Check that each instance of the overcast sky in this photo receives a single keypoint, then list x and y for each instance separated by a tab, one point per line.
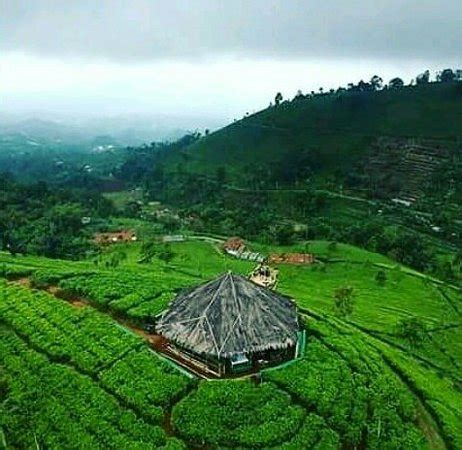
210	58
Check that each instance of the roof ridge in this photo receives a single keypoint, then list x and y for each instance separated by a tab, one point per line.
215	294
238	304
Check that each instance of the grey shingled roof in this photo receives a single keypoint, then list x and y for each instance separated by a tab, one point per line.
230	315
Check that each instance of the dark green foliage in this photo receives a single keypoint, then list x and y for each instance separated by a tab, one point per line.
115	258
94	345
82	337
403	246
413	330
136	295
313	434
446	76
146	382
305	170
42	278
335	128
350	393
340	402
44	220
144	164
381	278
282	234
423	78
344	300
396	83
278	99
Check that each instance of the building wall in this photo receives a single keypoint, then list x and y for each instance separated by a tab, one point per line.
272	356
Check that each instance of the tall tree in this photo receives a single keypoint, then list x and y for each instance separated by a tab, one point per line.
344	300
396	83
423	78
376	82
299	95
446	76
278	99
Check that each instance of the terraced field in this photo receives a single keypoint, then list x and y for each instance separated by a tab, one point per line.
74	373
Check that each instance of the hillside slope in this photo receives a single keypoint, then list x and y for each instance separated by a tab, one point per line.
328	133
378	169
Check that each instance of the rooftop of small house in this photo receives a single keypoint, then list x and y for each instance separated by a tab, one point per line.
114	237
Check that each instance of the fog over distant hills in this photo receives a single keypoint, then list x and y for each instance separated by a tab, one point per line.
121	129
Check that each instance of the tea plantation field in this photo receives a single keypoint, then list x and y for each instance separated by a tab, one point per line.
75	376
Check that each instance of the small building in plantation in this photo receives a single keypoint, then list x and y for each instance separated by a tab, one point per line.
292	258
232	325
234	246
265	276
115	237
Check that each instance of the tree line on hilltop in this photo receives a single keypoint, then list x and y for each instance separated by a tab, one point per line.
376	83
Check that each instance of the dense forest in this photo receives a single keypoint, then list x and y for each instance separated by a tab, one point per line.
48	220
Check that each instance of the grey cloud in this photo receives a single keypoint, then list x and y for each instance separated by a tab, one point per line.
147	30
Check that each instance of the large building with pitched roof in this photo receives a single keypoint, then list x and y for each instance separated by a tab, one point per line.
232	325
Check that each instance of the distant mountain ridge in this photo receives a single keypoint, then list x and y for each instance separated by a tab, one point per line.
118	131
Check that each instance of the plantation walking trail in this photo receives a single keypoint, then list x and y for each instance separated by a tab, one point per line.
161	345
23	282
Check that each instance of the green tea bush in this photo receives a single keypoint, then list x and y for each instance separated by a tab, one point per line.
94	344
148	310
313	434
237	413
44	277
139	296
146	382
12	271
323	382
363	403
49	405
83	337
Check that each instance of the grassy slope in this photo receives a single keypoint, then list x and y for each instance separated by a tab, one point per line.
341	128
377	308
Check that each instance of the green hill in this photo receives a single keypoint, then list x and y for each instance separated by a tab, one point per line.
330	133
342	166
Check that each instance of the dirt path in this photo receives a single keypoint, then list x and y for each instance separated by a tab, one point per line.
74	300
429	428
25	282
